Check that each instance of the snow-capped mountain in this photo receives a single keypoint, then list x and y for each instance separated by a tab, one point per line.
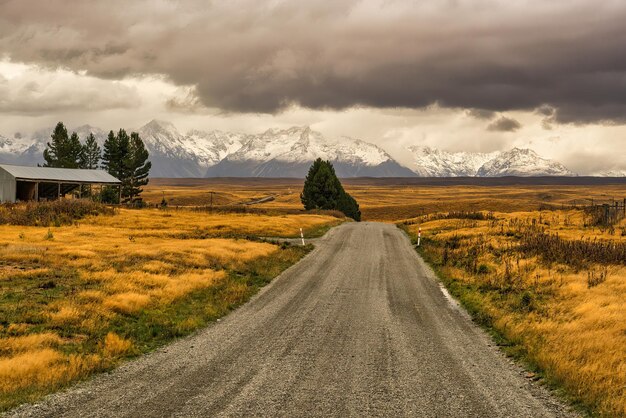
613	173
21	151
523	163
176	155
28	151
429	162
290	152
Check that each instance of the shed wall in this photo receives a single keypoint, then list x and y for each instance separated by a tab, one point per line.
7	187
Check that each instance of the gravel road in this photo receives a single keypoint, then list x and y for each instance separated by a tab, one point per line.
360	327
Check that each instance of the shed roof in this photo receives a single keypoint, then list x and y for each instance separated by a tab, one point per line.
69	175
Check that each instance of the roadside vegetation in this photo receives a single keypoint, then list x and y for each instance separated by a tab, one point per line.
550	284
78	298
52	213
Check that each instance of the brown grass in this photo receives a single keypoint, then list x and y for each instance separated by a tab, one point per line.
541	299
115	286
115	346
383	199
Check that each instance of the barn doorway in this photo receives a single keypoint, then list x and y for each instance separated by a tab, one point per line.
26	190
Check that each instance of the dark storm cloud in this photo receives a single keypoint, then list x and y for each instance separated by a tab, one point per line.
504	124
481	114
257	56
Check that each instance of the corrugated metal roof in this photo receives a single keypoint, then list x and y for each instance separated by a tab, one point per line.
70	175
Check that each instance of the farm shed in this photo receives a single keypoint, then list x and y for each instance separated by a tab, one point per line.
46	183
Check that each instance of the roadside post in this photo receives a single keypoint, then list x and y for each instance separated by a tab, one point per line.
302	236
419	235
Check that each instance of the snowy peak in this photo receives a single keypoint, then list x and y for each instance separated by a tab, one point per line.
289	153
524	163
613	173
431	162
302	144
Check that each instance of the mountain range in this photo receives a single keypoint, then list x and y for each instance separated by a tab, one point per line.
289	153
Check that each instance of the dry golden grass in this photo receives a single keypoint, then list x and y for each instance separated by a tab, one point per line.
75	299
573	331
115	346
382	199
151	223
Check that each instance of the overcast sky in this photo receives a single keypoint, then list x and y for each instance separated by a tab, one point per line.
478	75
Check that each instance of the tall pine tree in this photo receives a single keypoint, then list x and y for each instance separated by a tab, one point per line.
137	168
110	156
62	151
89	159
54	151
115	150
73	154
125	158
111	162
91	153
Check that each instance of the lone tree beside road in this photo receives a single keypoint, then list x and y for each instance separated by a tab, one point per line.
323	190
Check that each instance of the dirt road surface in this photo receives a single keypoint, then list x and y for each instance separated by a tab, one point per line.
360	327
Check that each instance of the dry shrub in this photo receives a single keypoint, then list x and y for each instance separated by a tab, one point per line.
58	212
235	293
18	328
12	345
91	295
156	266
43	368
182	285
126	303
67	314
28	369
115	346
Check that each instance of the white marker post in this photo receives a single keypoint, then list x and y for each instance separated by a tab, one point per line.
419	236
302	236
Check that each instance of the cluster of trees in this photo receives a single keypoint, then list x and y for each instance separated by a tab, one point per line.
323	190
125	157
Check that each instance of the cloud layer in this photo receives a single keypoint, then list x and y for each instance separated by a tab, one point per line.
263	56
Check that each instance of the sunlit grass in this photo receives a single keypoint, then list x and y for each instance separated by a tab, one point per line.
573	331
386	202
76	299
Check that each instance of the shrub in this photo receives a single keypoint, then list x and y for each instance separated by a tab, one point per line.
57	213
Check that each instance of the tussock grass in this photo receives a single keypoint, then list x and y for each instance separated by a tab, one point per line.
385	200
58	212
551	285
111	287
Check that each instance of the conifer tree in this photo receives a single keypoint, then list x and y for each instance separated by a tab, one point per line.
110	156
73	152
54	152
111	162
125	158
91	153
323	190
137	167
62	151
115	150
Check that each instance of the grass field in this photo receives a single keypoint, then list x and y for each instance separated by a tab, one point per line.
76	299
384	200
556	301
